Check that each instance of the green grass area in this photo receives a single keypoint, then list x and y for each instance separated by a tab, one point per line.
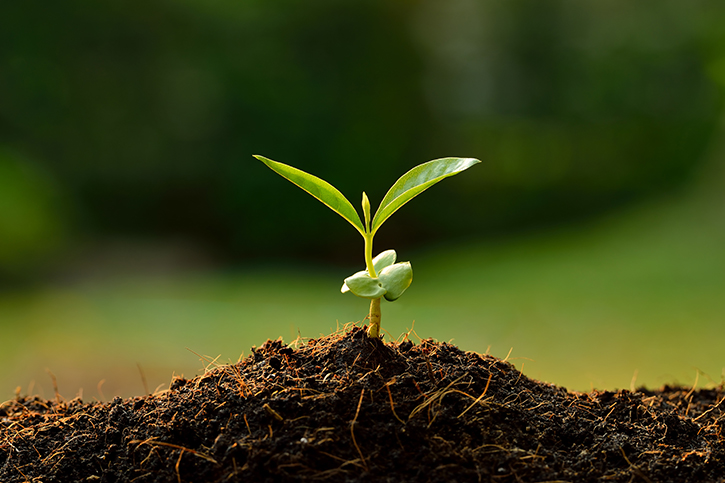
641	292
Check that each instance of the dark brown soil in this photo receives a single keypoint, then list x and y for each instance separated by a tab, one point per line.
346	408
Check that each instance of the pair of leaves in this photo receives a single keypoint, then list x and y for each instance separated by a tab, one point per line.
393	279
410	185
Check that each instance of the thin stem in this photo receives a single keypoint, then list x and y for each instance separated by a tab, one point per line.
374	330
374	315
369	255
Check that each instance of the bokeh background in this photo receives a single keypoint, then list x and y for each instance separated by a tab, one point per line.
140	239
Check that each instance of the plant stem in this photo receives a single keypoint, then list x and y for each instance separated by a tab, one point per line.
374	315
369	255
374	330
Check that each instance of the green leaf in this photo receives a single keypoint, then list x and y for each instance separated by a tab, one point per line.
415	181
381	261
384	259
319	188
363	285
396	279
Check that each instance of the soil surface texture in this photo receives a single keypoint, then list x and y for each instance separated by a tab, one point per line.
346	408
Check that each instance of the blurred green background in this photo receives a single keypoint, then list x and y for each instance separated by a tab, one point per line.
135	224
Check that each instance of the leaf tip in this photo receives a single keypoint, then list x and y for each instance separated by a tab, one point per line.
468	162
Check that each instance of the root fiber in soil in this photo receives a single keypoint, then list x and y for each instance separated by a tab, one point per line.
347	408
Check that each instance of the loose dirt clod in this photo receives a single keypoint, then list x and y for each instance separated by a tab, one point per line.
348	408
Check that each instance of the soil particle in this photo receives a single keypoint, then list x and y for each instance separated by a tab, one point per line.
347	408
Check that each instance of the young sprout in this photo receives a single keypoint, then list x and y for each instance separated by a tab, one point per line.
382	277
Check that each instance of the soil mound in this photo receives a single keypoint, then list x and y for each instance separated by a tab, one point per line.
346	408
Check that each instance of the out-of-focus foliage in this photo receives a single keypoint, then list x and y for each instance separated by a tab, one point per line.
147	113
32	216
576	105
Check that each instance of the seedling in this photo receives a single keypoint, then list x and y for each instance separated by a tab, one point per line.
382	277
